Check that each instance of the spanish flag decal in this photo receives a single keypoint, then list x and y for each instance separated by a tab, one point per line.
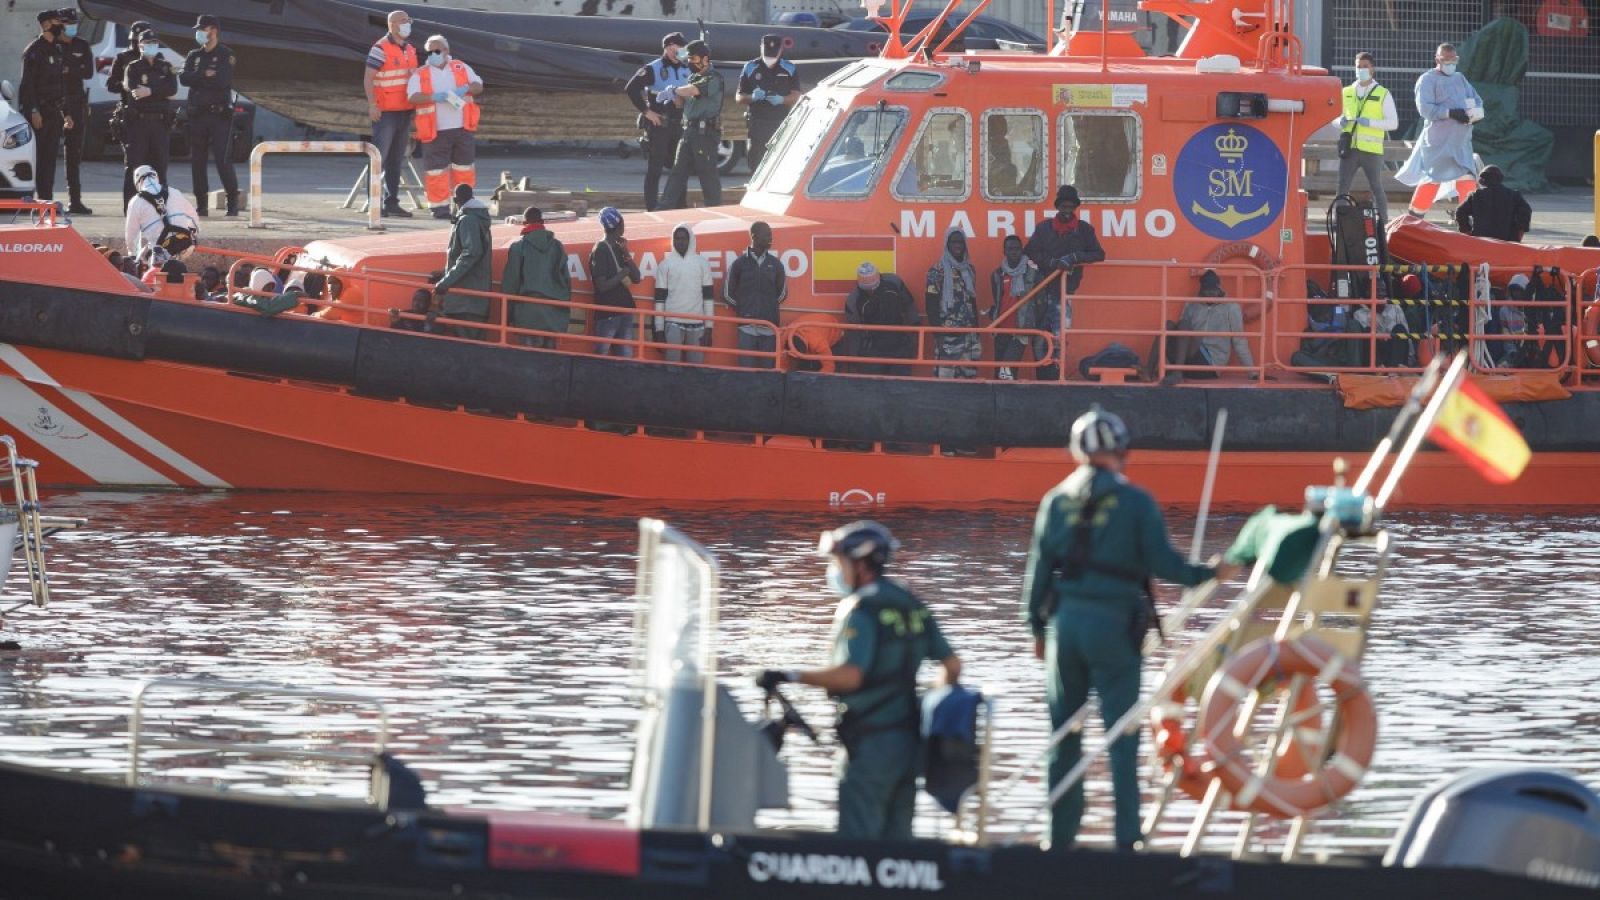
1476	429
834	260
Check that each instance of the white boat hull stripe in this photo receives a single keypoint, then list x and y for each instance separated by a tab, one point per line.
76	444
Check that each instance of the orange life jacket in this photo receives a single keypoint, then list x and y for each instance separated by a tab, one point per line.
427	121
389	82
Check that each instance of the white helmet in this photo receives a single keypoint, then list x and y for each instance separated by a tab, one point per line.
1097	431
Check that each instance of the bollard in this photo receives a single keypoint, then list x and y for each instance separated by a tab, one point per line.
374	169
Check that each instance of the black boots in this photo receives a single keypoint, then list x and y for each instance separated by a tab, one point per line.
233	203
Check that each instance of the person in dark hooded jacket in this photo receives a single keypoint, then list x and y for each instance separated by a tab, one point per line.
1494	210
536	266
1063	243
880	298
468	265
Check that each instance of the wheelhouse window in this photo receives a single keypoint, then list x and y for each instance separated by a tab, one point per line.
1014	157
1101	153
939	166
856	160
794	145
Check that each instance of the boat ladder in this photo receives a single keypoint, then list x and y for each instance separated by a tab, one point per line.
1329	604
24	526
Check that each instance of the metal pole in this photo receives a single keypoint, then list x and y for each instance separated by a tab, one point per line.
1447	385
1205	491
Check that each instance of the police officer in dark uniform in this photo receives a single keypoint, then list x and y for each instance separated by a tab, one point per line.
79	61
661	122
702	131
768	86
42	98
208	74
148	83
123	111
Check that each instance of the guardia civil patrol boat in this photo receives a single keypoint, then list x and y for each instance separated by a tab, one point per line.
1185	164
701	772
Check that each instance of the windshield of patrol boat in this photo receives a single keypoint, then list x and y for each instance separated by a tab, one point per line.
795	144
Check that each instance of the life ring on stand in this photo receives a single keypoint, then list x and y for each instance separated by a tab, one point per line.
1176	754
1250	253
1590	333
1248	671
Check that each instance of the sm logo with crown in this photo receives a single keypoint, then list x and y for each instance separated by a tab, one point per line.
1230	181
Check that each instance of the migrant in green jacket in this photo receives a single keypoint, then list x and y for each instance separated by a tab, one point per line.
536	266
468	263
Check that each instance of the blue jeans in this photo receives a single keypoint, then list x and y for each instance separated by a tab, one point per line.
614	325
765	341
391	134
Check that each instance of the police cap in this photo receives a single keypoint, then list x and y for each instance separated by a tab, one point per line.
771	44
207	22
675	39
136	29
699	48
68	14
49	15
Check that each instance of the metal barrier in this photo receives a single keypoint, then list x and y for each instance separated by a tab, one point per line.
137	741
374	170
40	212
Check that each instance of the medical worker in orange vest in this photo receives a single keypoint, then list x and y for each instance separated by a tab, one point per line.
442	91
390	63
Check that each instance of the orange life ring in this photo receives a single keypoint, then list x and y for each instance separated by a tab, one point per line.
1252	253
1591	333
1172	742
1267	660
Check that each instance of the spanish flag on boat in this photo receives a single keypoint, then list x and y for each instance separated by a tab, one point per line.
1475	428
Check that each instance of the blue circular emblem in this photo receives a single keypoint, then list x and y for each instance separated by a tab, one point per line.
1230	181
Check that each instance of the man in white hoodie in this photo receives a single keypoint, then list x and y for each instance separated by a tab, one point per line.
683	285
158	216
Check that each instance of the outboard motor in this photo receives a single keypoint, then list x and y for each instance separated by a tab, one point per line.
676	784
1529	822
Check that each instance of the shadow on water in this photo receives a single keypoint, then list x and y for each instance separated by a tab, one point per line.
498	632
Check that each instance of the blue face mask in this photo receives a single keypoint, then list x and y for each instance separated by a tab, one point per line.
683	54
837	582
435	58
1447	68
150	51
201	37
72	31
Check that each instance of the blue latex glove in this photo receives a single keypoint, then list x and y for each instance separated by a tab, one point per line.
775	99
667	96
463	89
1364	122
440	96
758	95
1070	259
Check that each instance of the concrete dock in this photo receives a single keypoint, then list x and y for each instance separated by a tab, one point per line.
303	197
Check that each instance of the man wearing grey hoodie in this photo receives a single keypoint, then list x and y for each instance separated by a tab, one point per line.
468	265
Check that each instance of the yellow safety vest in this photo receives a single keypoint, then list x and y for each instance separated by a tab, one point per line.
1367	139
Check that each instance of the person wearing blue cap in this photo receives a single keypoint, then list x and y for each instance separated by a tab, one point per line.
612	267
880	298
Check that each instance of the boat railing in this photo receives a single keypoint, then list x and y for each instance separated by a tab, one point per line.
41	213
141	741
1437	322
797	347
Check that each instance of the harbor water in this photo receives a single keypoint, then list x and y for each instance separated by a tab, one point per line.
498	634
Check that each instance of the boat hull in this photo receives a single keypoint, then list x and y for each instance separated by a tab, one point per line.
75	836
100	422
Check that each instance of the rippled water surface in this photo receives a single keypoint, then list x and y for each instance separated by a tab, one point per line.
498	635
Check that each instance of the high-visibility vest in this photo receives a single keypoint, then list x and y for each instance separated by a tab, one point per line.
389	82
427	120
1366	138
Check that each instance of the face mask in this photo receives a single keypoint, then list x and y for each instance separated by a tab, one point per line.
72	31
769	61
837	582
1364	74
201	37
150	185
682	54
435	58
1447	68
150	51
404	30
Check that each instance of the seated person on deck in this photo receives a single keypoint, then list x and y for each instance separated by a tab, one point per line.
1223	319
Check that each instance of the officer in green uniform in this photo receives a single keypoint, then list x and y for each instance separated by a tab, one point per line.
882	634
1096	542
702	131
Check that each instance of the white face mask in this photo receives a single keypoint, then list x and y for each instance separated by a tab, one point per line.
1448	68
837	582
1364	74
769	61
404	30
436	58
